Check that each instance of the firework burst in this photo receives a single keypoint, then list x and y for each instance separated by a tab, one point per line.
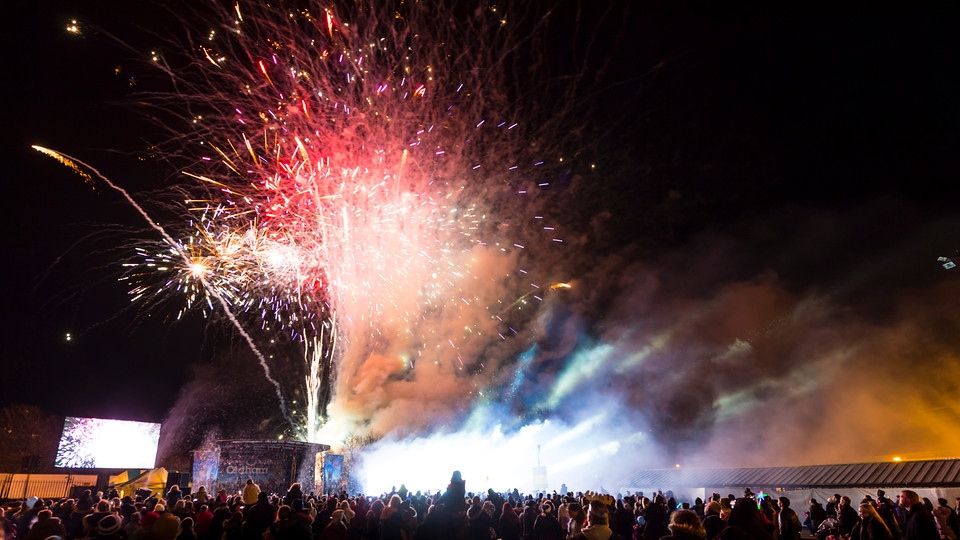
359	174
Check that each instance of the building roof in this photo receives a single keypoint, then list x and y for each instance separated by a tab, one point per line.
932	474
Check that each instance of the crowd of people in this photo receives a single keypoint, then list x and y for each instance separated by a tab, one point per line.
455	514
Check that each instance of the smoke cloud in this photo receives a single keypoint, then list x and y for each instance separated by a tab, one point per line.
754	345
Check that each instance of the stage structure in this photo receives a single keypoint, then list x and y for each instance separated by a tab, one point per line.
273	465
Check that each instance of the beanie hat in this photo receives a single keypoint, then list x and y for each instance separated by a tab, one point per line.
108	525
686	520
148	519
687	528
599	513
167	527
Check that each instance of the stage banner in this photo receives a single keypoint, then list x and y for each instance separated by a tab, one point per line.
332	473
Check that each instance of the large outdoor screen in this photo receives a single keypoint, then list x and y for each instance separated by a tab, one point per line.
107	444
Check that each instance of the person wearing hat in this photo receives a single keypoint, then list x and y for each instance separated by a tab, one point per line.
90	521
147	519
46	525
547	526
109	528
598	524
685	525
712	522
167	527
788	522
528	518
186	529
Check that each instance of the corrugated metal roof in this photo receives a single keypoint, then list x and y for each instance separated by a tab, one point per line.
931	474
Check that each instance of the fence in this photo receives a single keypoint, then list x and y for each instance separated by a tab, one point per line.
22	486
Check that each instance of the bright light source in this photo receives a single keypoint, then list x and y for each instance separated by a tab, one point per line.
896	458
197	269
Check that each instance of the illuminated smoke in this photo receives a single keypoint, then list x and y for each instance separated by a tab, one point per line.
755	343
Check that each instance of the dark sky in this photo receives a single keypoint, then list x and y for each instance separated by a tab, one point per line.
762	169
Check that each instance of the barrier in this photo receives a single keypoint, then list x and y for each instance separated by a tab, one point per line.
46	486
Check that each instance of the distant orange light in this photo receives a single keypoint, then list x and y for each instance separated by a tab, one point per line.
896	458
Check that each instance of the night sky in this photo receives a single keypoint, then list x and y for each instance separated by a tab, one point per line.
771	198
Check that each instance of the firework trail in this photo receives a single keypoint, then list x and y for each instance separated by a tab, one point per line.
75	165
364	175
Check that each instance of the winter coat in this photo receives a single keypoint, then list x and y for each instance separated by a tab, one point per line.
597	532
848	519
789	524
546	527
46	527
656	519
947	519
871	529
817	514
920	524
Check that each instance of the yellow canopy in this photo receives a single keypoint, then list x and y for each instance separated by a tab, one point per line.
128	482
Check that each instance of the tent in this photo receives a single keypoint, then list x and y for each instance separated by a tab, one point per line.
128	482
